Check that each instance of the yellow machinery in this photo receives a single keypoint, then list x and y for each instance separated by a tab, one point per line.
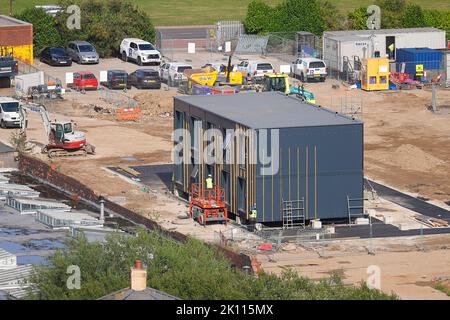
210	77
280	82
375	74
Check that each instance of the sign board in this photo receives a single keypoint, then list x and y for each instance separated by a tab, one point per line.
383	69
103	76
285	68
419	69
69	77
191	47
227	46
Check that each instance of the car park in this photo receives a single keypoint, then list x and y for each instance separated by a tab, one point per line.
145	79
117	79
139	51
84	81
9	113
82	52
173	72
55	56
309	69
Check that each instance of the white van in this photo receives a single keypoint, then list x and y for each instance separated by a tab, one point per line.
257	69
140	51
9	113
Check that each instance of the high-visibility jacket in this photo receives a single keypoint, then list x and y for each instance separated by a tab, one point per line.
209	183
253	214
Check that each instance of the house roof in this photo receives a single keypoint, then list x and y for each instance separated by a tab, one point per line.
9	21
267	110
147	294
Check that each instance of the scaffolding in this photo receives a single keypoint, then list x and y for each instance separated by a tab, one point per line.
355	207
294	214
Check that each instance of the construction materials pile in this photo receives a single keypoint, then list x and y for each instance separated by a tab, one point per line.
156	103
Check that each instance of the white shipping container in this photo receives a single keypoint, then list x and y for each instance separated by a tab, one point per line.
25	81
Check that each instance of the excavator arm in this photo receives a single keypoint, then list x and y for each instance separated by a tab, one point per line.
24	108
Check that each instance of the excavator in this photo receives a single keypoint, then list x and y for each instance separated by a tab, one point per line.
62	139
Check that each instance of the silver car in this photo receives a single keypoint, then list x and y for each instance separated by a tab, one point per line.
82	52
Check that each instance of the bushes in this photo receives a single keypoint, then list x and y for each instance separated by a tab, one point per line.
189	271
289	16
103	23
45	32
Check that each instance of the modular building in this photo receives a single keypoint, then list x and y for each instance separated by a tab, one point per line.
56	219
270	150
340	46
16	38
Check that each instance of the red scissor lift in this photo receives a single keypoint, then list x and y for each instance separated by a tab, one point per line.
207	205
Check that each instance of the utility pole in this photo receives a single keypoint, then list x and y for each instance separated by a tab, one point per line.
10	7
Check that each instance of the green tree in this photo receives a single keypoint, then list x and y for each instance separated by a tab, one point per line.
302	15
413	17
357	19
334	20
45	32
392	13
258	17
190	270
438	19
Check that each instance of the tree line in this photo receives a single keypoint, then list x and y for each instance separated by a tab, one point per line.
317	16
189	270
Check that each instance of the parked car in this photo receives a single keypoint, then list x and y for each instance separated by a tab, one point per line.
117	79
140	51
55	56
9	113
173	72
82	52
84	80
145	79
309	69
257	69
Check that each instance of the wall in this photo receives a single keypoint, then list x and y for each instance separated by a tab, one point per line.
47	175
322	165
18	39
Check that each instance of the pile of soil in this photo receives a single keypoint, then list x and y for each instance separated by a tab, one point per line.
156	103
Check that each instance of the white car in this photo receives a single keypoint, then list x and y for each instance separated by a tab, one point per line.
140	51
9	113
173	72
309	69
257	69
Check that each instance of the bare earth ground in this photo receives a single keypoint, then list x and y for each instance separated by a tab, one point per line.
406	146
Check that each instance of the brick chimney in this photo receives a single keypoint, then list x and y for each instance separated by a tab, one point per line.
138	277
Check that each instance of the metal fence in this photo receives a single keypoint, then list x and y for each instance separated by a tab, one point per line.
117	99
282	45
25	68
227	31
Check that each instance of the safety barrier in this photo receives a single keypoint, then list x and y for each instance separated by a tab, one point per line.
128	114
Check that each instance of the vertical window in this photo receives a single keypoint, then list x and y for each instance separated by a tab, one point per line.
225	184
242	150
242	195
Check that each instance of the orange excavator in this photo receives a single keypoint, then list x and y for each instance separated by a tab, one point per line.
62	139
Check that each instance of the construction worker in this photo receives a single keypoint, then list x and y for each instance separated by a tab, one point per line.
209	182
252	218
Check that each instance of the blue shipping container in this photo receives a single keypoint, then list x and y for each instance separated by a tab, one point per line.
429	58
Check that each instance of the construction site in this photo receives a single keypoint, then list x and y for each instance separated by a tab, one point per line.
361	180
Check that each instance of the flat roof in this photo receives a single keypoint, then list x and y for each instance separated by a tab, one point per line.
5	254
267	110
64	215
350	33
9	21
